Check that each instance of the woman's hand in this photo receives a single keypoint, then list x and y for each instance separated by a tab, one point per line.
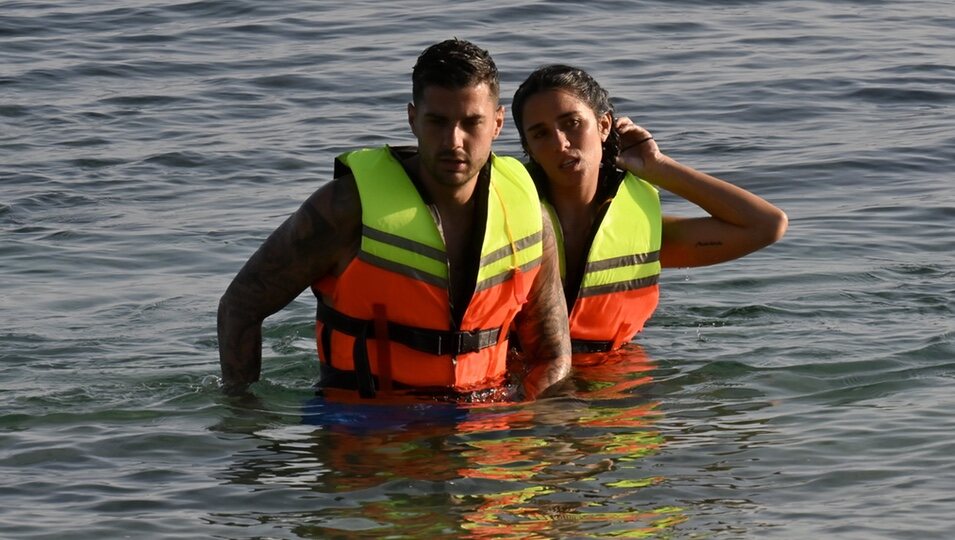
739	222
637	147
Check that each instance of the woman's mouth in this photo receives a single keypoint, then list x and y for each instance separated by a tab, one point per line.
569	163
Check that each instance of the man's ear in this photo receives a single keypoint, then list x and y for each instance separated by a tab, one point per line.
498	120
411	117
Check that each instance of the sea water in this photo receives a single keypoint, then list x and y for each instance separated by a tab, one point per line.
147	148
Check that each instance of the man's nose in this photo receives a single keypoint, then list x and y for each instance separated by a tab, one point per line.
454	137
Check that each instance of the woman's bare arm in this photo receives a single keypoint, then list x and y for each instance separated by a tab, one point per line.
739	223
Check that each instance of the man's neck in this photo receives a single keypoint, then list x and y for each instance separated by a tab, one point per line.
460	211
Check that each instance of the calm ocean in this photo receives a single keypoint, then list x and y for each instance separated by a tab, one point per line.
806	391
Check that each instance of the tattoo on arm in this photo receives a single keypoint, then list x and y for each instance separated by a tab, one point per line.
301	250
542	325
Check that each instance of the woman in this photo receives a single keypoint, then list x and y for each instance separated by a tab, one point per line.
597	176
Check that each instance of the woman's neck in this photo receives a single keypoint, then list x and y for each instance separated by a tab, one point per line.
575	204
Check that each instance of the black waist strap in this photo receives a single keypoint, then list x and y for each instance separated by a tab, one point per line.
436	342
590	346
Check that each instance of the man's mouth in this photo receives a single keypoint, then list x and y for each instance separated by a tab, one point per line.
453	160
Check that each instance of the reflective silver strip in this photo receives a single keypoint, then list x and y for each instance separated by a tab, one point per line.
403	269
505	251
405	243
620	262
622	286
504	276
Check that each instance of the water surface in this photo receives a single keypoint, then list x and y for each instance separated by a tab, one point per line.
147	148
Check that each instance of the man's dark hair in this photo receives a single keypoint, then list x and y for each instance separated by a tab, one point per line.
454	64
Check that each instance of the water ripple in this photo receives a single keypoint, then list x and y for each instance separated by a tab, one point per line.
148	148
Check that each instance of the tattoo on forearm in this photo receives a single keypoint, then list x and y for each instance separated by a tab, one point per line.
711	243
547	334
298	252
547	330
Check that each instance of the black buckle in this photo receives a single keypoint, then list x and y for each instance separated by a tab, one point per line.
443	343
455	343
590	346
436	342
468	342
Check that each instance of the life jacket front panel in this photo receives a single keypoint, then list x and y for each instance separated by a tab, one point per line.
400	277
619	288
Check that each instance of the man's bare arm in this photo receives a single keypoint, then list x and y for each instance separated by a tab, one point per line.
306	247
542	325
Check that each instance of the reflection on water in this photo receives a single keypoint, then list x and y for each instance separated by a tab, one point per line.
568	466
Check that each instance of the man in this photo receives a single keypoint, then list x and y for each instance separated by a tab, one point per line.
422	260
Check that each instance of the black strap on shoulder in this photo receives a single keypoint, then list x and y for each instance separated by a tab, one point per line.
436	342
590	346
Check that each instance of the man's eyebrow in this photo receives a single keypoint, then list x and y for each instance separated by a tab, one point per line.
439	116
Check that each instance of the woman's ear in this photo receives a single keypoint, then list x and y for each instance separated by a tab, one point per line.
604	124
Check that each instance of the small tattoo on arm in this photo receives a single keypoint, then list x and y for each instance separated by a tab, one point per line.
712	243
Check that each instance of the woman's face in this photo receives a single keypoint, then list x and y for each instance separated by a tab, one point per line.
565	137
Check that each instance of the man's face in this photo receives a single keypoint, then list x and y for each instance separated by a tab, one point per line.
455	129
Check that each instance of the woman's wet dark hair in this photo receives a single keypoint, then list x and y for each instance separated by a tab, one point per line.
579	83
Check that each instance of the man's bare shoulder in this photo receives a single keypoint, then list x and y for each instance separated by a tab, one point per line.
336	203
331	217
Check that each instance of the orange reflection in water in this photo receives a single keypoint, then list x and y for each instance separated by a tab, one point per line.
559	477
571	466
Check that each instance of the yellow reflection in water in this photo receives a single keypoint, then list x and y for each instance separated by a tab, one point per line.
569	483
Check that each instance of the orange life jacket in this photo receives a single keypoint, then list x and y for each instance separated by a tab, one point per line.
387	318
619	288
